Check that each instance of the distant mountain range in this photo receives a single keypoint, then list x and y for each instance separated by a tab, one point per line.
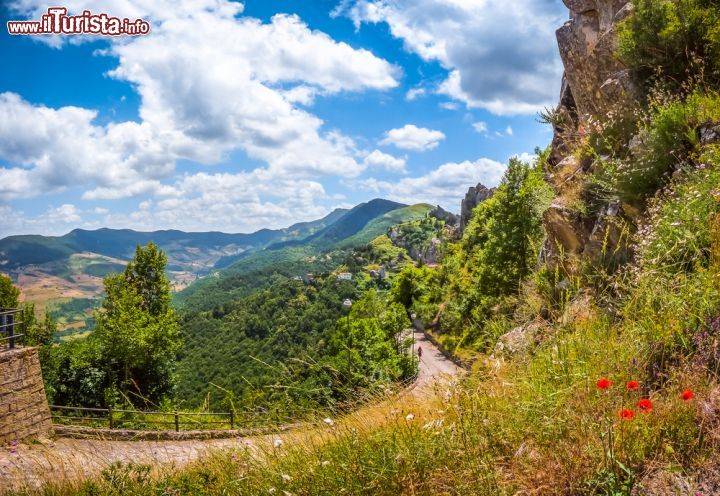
65	272
18	251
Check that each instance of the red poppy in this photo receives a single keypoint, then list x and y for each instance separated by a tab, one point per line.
645	405
687	395
627	414
633	385
603	383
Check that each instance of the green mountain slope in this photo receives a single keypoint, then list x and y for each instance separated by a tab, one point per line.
18	251
321	252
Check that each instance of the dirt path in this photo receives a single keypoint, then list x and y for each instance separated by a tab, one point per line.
30	465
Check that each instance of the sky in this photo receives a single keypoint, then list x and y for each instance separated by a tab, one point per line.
236	116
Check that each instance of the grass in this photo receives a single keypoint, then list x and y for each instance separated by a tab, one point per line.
536	423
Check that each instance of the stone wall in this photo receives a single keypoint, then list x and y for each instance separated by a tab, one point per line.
24	412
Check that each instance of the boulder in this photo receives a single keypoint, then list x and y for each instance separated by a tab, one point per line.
709	133
565	227
521	339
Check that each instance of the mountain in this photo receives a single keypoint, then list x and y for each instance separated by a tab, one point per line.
323	251
18	251
65	273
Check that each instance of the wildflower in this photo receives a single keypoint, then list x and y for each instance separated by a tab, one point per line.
687	395
645	405
278	443
633	385
410	417
627	414
604	383
325	463
328	421
286	477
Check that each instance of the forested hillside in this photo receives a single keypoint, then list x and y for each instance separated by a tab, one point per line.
269	331
63	275
321	252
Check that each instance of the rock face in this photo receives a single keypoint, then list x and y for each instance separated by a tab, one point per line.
521	339
596	87
428	253
474	197
441	214
598	82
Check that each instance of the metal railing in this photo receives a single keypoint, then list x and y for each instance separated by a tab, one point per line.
182	421
10	322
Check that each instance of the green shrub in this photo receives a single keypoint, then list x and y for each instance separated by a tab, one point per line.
671	42
667	140
677	236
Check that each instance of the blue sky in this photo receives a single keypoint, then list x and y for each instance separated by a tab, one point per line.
237	116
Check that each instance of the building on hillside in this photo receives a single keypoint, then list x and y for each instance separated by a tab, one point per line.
345	276
308	278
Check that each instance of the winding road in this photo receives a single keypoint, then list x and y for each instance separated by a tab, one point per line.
28	466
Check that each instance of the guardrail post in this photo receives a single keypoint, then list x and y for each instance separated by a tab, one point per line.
232	420
110	418
10	322
177	422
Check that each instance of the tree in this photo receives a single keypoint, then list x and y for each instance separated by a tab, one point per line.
137	331
502	238
8	293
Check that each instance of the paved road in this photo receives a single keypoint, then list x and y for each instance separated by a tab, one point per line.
30	465
433	364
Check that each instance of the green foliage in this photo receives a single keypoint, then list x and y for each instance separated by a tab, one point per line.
137	333
133	349
503	237
667	139
677	236
287	345
418	290
498	250
8	293
669	42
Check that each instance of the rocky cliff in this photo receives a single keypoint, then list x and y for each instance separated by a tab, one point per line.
474	197
596	89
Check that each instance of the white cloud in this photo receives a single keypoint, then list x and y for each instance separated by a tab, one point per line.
245	201
528	158
501	56
64	214
378	159
54	221
53	149
414	93
449	105
210	83
411	137
481	127
509	131
444	186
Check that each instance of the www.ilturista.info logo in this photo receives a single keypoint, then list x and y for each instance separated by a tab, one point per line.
56	21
